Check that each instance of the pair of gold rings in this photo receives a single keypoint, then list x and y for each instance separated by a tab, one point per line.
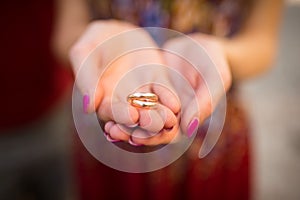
145	100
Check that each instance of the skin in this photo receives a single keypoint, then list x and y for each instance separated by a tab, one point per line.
112	105
237	58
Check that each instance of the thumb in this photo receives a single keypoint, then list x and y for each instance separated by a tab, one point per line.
85	62
196	110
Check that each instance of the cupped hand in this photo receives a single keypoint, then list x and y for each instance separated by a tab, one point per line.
110	62
201	60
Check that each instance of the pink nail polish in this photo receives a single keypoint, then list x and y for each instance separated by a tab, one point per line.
86	101
108	126
133	125
193	126
110	139
133	144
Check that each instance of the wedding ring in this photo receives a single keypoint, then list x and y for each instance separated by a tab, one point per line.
143	104
143	100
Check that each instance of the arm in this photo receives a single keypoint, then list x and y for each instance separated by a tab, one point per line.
252	51
72	18
247	54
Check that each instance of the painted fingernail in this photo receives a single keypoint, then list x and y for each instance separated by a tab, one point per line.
133	144
108	126
193	126
133	125
86	102
108	137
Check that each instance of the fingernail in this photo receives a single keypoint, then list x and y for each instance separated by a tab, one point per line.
133	144
110	139
193	126
108	126
86	102
133	125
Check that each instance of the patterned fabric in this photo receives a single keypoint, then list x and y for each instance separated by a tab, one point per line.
224	173
219	17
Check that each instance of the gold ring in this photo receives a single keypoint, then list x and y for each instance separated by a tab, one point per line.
143	100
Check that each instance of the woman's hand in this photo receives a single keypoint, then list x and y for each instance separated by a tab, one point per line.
114	59
202	61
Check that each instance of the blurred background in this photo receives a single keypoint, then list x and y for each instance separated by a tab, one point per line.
273	103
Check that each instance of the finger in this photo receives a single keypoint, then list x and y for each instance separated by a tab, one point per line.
168	116
119	132
85	57
151	120
118	111
108	126
167	97
154	120
196	111
87	73
142	137
190	118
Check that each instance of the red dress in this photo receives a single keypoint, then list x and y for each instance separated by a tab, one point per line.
223	174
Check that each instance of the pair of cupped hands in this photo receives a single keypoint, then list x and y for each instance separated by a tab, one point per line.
113	59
